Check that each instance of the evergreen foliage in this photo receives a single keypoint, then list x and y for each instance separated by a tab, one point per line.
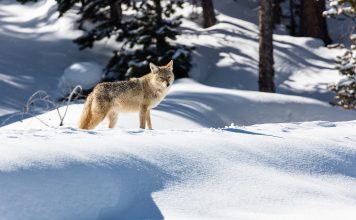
145	32
345	89
148	36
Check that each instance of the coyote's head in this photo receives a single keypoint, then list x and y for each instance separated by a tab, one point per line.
162	75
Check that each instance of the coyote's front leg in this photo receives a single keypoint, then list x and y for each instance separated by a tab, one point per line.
148	119
143	114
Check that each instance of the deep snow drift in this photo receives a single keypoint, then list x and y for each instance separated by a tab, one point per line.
183	170
193	105
83	74
271	171
192	166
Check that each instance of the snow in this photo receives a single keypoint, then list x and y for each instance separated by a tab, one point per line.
84	74
220	149
333	3
179	52
347	66
196	106
36	47
137	64
191	167
270	171
226	54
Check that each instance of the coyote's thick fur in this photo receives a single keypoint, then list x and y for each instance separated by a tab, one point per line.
108	99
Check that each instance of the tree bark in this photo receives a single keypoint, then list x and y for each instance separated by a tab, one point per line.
115	10
208	13
277	11
292	23
266	71
312	21
161	43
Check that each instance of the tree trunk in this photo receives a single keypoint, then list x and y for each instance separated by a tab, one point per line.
266	71
160	41
292	24
208	13
312	21
115	10
277	11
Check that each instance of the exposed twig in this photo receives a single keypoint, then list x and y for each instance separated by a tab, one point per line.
42	96
74	91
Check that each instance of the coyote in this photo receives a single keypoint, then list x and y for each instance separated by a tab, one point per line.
108	99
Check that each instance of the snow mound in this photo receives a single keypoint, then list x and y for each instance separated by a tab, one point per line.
226	54
190	104
297	171
85	74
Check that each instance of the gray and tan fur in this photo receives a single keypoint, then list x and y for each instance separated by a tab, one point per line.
108	99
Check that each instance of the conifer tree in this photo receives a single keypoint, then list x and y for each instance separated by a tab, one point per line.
148	37
145	35
208	13
277	11
312	22
294	17
345	89
266	71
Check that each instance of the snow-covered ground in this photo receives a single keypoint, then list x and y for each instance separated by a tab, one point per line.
227	54
269	171
190	167
217	151
193	105
36	47
83	74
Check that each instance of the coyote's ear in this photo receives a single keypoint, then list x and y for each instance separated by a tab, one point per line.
153	68
170	65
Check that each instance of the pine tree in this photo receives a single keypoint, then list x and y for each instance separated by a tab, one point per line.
277	11
208	13
294	17
146	35
312	22
345	89
266	71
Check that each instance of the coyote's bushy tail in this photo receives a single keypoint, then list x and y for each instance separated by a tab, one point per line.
86	117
